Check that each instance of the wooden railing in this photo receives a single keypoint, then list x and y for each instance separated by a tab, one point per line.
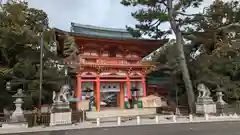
114	61
111	62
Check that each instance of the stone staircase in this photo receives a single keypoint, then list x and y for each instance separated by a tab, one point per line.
183	110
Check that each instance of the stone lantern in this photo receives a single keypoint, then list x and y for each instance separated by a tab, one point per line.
8	86
220	98
220	102
17	119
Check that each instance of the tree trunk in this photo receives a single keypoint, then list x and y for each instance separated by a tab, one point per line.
182	59
185	72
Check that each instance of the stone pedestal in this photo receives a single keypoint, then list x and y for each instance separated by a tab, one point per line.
61	114
15	125
60	118
205	105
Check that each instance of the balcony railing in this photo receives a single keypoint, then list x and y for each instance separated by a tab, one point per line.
112	61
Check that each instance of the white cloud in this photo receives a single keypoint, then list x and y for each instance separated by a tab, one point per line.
105	13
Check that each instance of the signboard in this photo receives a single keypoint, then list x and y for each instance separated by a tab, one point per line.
152	101
110	87
83	105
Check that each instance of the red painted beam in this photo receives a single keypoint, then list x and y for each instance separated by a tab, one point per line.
111	80
88	80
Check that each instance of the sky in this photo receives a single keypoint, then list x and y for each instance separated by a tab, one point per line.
104	13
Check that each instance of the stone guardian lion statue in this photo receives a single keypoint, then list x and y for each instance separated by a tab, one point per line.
203	91
62	95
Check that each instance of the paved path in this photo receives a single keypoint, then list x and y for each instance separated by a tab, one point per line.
213	128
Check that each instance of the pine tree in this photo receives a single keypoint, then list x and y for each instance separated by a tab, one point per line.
156	12
215	34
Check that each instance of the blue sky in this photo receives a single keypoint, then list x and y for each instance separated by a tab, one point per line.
105	13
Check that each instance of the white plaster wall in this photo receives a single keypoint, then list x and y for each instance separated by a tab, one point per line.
125	89
140	87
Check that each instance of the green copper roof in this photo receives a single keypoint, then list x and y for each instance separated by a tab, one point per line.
94	31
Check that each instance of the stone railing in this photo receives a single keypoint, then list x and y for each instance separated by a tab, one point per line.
161	119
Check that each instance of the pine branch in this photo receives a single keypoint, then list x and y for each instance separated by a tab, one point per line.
163	2
234	27
184	14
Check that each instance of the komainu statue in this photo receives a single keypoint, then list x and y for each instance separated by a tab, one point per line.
63	95
203	91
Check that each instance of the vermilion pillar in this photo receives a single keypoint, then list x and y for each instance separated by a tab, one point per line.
144	86
79	89
98	94
121	95
129	88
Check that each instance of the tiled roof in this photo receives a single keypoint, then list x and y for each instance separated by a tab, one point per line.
94	31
